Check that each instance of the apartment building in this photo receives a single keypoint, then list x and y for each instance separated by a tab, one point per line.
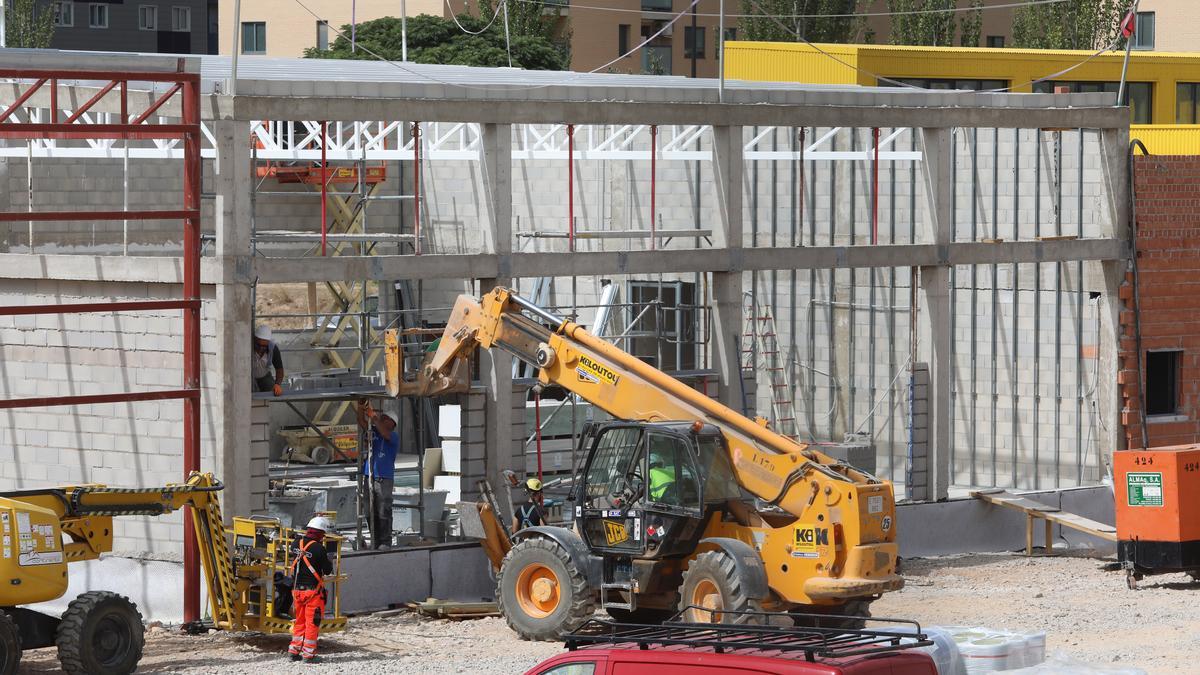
162	26
284	28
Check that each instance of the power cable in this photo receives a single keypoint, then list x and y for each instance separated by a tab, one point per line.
483	30
911	12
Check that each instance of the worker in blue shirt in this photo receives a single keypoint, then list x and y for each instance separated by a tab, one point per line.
379	468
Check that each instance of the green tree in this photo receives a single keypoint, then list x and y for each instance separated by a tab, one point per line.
531	18
791	20
970	25
1074	24
29	24
433	39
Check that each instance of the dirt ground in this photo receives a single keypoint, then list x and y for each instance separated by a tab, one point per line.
1087	612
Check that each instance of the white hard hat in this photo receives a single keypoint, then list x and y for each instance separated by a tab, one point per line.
391	417
321	523
262	331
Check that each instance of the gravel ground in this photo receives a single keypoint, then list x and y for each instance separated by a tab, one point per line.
1088	613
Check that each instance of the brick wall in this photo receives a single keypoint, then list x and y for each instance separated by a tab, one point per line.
124	444
1168	290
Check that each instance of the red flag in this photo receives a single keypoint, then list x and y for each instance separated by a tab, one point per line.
1129	25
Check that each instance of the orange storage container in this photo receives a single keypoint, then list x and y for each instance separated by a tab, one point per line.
1158	509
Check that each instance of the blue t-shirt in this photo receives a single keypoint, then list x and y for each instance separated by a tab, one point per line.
383	455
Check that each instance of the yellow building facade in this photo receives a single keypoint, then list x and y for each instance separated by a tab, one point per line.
1163	88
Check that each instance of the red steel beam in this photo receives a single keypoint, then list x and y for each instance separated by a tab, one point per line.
22	98
94	131
44	216
157	104
44	401
190	100
91	102
88	307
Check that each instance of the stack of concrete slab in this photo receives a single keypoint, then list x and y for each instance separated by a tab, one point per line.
450	431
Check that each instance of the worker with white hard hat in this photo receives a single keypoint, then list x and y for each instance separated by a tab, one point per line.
265	360
379	469
310	566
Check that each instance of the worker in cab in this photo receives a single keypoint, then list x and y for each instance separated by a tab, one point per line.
266	367
531	512
310	566
662	477
379	468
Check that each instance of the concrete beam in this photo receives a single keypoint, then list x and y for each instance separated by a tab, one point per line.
728	166
673	261
518	111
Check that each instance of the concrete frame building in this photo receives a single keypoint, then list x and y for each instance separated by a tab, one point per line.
797	212
154	26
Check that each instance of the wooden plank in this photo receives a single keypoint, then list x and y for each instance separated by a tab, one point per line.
1035	509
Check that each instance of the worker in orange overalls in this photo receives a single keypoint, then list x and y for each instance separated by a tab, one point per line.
310	566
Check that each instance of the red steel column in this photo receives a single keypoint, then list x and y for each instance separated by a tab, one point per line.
570	187
324	185
653	183
191	336
416	131
875	187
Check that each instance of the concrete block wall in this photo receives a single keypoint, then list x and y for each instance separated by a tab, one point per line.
127	444
1168	244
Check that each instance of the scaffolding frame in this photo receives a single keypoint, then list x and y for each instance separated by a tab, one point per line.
144	125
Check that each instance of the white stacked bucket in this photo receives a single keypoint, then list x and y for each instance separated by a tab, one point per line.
985	650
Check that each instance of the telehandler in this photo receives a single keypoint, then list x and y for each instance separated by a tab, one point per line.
102	632
684	505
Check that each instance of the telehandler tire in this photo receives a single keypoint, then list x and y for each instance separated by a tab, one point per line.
852	615
101	632
542	594
712	592
10	645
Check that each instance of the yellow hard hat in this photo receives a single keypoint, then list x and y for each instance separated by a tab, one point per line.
533	485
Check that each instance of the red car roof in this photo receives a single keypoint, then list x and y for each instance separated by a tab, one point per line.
769	661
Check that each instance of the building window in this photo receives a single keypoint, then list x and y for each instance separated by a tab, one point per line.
64	13
1143	34
97	16
181	19
1187	94
1139	96
1162	382
622	39
693	42
656	5
947	84
254	37
147	17
995	41
662	323
322	35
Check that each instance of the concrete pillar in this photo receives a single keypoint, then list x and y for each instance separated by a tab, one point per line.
495	371
497	188
934	306
727	333
231	182
1114	144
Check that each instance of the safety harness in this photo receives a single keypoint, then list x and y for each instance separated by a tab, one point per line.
526	511
305	543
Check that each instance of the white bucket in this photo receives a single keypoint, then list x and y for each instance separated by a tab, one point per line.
987	654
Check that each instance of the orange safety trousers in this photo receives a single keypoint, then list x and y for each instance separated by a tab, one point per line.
308	607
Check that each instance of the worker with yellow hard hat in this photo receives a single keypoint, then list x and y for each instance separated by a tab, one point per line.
529	513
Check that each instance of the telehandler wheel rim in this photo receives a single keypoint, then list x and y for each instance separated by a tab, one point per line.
706	595
111	640
538	590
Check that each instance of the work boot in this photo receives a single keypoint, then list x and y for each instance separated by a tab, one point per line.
312	659
294	657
